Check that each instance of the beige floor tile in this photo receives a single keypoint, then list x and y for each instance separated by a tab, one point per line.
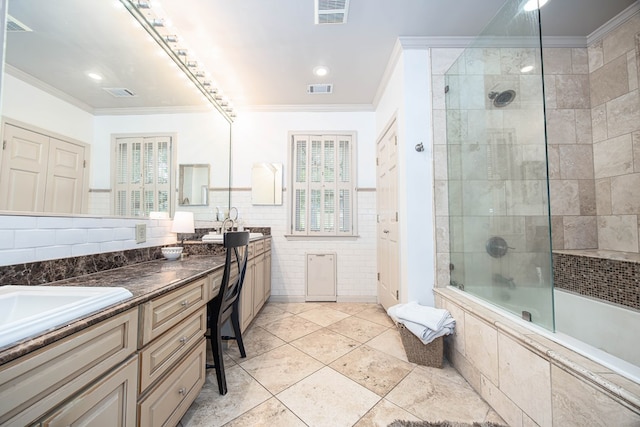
351	307
270	413
377	371
328	398
434	394
389	342
358	329
297	307
383	414
256	341
323	316
291	328
211	409
325	345
269	314
376	314
281	367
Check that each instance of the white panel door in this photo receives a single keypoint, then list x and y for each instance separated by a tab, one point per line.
23	173
65	177
387	218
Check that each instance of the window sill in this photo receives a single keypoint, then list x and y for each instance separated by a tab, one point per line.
294	237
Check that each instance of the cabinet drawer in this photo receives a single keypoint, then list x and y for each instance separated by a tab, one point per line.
258	247
162	313
267	244
110	402
252	249
170	399
36	383
215	282
163	353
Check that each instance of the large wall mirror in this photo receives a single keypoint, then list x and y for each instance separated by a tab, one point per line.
86	72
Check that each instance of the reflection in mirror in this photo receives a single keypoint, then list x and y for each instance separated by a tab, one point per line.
193	187
266	184
86	72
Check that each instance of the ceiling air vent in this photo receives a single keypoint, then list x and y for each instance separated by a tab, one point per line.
120	92
331	11
15	26
320	88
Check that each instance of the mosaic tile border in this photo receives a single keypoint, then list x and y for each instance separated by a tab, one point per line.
609	280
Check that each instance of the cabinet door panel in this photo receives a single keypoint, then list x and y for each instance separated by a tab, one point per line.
34	384
258	284
110	402
167	403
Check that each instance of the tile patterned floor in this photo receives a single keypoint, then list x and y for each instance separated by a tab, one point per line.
330	365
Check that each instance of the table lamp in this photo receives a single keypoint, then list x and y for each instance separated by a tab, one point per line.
183	223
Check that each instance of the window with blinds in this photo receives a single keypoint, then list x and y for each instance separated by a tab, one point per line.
323	184
142	175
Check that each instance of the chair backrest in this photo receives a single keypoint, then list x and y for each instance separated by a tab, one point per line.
237	253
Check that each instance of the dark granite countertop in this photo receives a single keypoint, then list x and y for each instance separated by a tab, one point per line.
145	281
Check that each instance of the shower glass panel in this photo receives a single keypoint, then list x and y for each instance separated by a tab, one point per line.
499	223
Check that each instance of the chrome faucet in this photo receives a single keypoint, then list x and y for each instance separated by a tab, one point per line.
224	225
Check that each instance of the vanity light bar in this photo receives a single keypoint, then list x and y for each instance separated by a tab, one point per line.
179	55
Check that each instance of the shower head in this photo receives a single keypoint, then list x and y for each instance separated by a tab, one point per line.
502	99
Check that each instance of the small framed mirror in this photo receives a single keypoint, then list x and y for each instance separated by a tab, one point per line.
266	184
193	185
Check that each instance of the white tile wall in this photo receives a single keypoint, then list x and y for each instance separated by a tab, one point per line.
25	238
356	259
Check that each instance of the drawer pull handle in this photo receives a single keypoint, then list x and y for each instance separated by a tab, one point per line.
183	340
185	303
182	391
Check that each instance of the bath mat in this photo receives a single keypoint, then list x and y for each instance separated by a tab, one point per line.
399	423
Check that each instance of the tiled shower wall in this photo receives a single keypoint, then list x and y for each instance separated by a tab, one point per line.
570	153
614	64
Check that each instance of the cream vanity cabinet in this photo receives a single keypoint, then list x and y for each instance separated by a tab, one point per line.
84	376
143	367
257	281
173	351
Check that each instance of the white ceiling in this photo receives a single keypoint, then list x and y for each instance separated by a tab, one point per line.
261	53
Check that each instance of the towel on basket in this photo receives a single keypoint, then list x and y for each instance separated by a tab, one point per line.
427	323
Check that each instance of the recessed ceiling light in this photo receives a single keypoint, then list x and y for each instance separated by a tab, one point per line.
94	76
526	68
320	71
534	4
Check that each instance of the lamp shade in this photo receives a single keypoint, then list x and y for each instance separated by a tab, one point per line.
183	223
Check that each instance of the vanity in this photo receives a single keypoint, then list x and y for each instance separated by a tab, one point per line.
137	362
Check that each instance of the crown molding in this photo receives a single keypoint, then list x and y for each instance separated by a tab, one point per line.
312	108
564	41
420	42
39	84
613	23
141	111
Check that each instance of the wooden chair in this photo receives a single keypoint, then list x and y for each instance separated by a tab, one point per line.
224	305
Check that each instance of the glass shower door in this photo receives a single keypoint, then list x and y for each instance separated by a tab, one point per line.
499	222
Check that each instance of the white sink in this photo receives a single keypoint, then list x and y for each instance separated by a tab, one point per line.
217	238
28	310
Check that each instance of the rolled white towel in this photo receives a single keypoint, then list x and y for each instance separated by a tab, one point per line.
441	320
430	317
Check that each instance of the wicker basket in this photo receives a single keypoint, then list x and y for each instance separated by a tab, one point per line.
423	354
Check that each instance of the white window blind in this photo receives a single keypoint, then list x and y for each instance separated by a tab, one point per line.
323	185
142	175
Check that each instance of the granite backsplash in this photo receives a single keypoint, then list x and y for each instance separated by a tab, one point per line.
41	272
